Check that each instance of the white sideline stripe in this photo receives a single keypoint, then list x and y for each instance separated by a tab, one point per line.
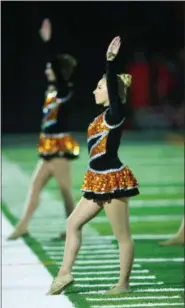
26	287
114	278
141	305
145	271
110	285
107	299
154	218
161	290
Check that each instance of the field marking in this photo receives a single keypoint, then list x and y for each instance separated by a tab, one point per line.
89	267
81	285
142	260
140	305
144	271
98	240
96	258
150	290
161	190
26	287
114	278
100	219
152	218
78	262
158	202
97	299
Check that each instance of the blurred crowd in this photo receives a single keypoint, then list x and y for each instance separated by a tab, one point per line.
157	92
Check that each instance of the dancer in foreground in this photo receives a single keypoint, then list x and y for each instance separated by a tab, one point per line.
108	183
56	146
177	239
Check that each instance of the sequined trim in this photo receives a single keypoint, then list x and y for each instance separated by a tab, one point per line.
96	156
103	183
59	144
112	126
100	128
54	135
103	135
94	136
106	171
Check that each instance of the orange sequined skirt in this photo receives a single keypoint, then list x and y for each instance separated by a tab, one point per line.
116	184
62	145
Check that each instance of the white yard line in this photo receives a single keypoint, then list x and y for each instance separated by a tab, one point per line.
150	290
131	298
143	260
89	267
114	278
27	286
152	218
145	305
144	271
111	258
82	285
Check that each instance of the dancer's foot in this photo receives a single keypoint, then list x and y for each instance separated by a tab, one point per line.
60	283
20	231
176	240
115	290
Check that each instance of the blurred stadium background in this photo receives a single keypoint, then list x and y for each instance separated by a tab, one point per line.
153	145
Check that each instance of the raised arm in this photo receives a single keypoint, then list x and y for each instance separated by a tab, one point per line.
117	108
46	36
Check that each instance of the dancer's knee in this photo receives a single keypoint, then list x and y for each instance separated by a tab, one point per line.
72	226
125	239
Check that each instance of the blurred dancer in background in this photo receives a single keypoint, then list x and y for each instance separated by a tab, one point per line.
56	146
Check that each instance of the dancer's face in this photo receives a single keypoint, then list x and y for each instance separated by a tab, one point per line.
101	93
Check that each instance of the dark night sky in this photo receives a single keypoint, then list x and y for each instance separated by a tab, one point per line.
83	29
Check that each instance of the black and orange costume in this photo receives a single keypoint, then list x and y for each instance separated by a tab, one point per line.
107	177
55	139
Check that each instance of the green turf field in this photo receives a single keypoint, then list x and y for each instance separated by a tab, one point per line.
157	278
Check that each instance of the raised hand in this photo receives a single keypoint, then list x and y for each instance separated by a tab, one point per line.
113	48
46	30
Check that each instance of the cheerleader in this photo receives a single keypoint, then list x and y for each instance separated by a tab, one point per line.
108	183
177	239
56	146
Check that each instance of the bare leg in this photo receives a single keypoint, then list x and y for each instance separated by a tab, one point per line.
41	175
83	212
117	212
62	173
177	239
